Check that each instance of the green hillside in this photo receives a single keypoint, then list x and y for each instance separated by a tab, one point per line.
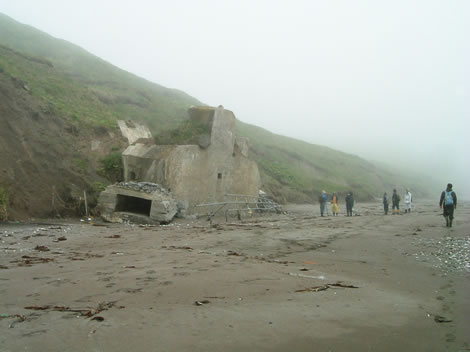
65	89
84	87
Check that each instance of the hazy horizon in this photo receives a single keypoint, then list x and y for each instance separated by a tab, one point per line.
385	81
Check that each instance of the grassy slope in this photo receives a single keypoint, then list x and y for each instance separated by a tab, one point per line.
84	89
306	169
87	88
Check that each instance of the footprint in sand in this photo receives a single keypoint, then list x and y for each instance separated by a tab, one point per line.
129	290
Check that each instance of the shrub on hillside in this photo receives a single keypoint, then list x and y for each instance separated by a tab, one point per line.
112	167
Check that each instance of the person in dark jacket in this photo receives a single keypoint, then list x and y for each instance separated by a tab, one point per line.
395	202
385	201
349	203
323	199
449	202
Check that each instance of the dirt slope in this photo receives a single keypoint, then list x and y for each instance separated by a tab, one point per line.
40	151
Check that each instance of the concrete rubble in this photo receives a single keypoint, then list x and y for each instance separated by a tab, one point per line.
137	202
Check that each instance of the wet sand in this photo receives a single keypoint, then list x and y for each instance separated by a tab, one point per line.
269	283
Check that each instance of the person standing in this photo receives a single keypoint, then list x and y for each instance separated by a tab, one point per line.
408	200
334	205
349	204
323	200
395	202
449	202
385	201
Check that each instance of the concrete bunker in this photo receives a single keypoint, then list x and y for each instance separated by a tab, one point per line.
138	202
213	164
132	204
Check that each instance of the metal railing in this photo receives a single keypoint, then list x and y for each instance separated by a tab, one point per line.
239	205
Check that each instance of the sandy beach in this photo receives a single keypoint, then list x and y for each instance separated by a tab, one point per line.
294	281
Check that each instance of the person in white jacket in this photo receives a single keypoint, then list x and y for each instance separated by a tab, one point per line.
408	200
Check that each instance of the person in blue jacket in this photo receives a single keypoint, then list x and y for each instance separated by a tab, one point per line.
323	200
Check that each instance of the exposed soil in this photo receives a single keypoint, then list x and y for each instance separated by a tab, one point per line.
45	156
270	283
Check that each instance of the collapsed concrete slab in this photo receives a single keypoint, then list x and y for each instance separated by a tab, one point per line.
137	202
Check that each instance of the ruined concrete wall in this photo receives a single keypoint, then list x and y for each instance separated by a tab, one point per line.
161	206
133	131
193	174
246	178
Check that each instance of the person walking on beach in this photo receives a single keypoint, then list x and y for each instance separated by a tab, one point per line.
449	202
385	201
395	202
408	200
334	205
349	204
323	199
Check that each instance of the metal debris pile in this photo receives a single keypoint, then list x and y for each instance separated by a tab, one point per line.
448	254
146	187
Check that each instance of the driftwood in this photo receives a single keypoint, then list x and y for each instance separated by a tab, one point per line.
87	312
326	287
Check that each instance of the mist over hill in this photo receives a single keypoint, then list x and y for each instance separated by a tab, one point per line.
58	110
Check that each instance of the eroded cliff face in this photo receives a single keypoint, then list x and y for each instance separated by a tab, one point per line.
46	160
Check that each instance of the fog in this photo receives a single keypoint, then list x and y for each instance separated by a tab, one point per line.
386	80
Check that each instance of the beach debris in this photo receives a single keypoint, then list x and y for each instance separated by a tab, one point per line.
304	269
113	236
27	260
441	319
178	247
238	254
37	307
201	303
98	318
19	319
309	262
326	287
83	256
340	284
42	248
320	277
279	261
88	312
62	238
314	288
3	267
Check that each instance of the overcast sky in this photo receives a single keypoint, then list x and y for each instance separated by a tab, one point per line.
387	80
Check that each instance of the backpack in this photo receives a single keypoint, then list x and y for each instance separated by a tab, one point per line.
448	199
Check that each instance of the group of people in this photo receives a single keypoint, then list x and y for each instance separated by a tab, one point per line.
334	204
447	202
396	202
